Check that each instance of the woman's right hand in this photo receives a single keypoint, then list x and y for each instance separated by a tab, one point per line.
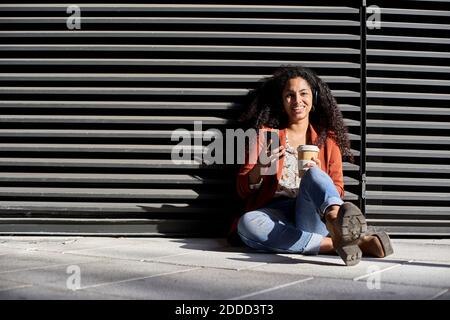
266	160
266	164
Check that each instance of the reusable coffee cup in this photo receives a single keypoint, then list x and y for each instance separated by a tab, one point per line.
305	153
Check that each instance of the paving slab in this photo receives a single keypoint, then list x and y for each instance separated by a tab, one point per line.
61	244
228	258
200	284
8	285
336	289
418	241
92	274
326	266
199	268
443	295
440	241
29	260
42	293
148	249
404	250
423	241
420	273
5	251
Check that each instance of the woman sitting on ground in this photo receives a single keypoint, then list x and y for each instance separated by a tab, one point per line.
300	213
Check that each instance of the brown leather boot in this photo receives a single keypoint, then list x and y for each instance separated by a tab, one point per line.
375	244
346	228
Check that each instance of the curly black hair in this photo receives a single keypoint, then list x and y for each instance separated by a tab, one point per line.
265	107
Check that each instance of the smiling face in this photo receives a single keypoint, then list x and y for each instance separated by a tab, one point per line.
297	99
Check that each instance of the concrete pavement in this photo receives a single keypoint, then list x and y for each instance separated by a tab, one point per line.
200	269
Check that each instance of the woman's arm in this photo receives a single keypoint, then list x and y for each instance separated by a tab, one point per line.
243	180
248	173
251	173
335	170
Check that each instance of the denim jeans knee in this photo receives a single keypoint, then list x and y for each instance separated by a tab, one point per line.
313	172
318	188
266	230
246	226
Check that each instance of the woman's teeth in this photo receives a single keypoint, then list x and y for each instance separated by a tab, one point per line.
298	109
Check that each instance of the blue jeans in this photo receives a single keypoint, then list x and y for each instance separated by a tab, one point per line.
292	225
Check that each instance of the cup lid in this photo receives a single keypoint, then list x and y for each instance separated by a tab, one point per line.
308	147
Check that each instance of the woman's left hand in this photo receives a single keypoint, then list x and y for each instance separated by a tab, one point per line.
316	163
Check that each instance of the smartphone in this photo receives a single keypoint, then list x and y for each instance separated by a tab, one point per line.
273	141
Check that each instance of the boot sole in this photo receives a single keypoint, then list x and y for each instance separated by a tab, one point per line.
353	228
351	254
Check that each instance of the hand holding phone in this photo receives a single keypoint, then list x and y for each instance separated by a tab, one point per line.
271	149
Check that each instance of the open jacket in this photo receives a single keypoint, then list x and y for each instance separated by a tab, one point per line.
331	162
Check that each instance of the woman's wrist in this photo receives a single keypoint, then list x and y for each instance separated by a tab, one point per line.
255	186
255	175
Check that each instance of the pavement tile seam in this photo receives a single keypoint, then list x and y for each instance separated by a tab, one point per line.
358	279
361	292
282	286
88	288
436	296
420	242
433	261
79	251
168	256
20	251
5	254
384	281
64	250
103	257
75	251
158	260
36	249
65	291
23	286
50	266
150	260
18	247
105	283
251	267
340	262
17	284
414	286
407	284
429	264
188	265
370	274
139	278
209	267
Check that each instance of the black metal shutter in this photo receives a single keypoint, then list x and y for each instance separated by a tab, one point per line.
87	114
408	111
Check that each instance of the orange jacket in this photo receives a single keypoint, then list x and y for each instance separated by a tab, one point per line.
331	162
